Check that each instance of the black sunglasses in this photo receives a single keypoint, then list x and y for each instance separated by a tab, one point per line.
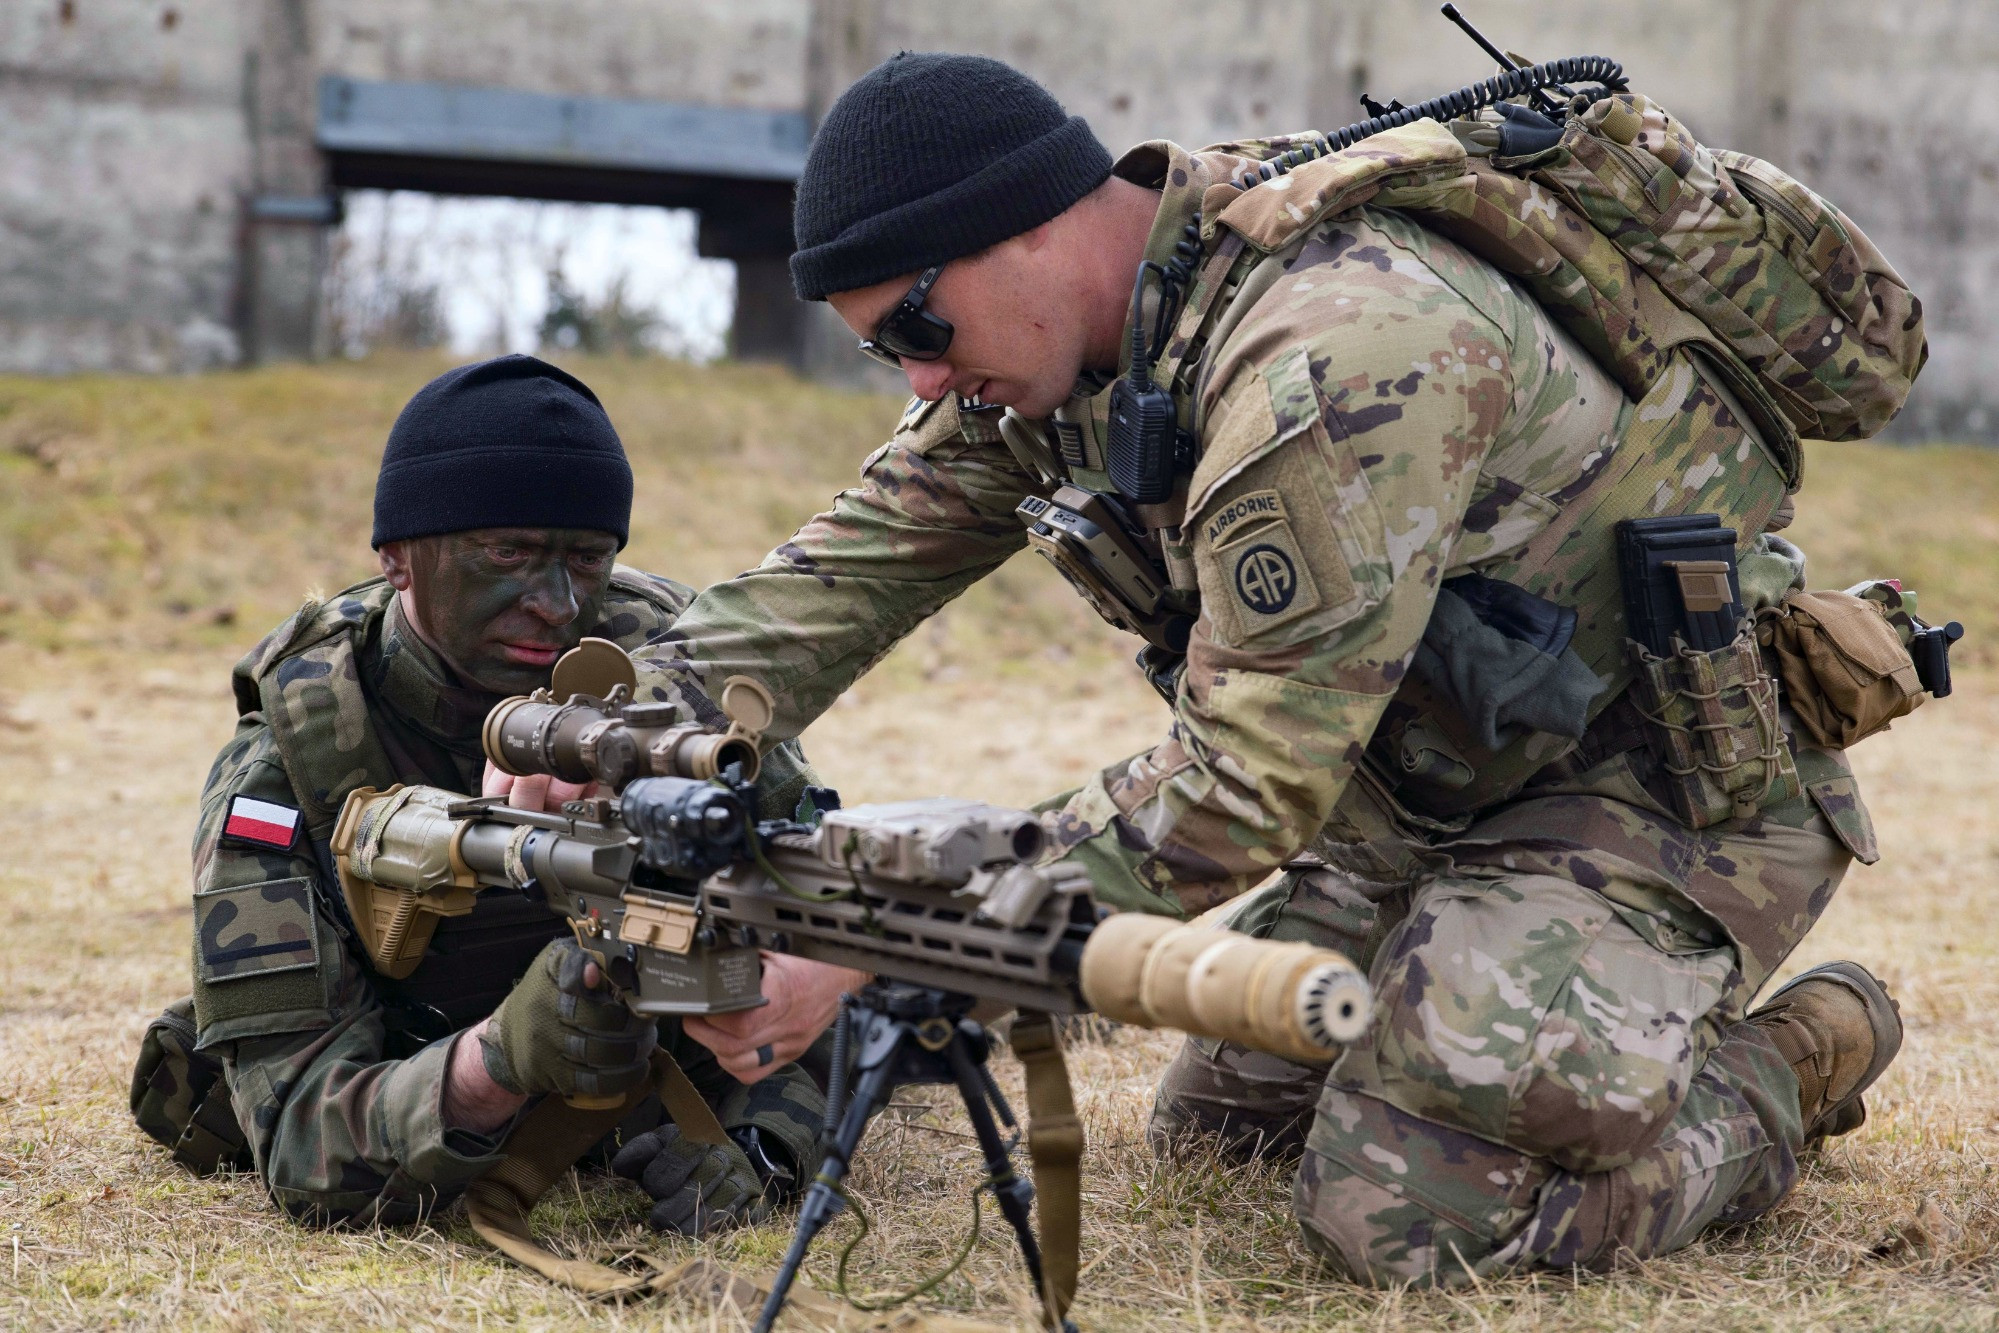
909	332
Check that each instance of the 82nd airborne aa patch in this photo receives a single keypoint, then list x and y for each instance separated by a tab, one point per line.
261	824
1268	578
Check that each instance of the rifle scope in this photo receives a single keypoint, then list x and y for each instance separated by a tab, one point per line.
588	740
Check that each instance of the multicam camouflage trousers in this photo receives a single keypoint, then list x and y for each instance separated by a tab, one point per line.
1557	1072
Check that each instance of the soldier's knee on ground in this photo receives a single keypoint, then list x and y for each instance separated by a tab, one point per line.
1258	1105
1533	1012
1383	1197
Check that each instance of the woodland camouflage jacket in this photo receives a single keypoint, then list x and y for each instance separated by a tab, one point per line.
336	1073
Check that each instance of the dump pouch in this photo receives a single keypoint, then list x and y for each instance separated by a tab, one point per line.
1501	657
180	1098
1712	725
1846	672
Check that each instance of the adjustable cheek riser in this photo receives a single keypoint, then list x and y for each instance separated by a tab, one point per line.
1292	1000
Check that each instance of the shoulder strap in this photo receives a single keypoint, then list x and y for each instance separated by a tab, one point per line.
309	689
1271	214
540	1151
659	602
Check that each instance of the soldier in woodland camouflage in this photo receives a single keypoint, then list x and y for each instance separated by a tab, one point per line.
1399	365
503	500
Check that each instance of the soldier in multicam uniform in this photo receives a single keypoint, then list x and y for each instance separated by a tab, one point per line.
1561	1067
503	499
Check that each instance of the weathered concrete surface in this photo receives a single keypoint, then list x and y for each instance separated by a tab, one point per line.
124	151
1878	106
132	141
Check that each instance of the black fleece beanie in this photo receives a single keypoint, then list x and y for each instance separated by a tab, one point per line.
928	158
507	443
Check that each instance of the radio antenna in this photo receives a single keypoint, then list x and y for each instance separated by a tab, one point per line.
1450	12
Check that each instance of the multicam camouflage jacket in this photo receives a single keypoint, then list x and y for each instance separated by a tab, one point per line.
1376	409
335	1072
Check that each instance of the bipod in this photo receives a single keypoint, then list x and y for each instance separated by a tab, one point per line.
906	1036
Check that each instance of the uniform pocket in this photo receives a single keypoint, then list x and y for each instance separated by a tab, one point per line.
1838	799
180	1098
1529	1012
251	930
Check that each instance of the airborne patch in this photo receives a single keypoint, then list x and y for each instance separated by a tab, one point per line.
1245	511
1267	574
262	824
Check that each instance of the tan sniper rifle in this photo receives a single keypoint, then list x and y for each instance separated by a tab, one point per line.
676	890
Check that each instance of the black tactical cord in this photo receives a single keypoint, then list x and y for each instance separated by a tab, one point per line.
1605	73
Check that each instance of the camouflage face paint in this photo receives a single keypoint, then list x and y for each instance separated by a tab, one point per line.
500	605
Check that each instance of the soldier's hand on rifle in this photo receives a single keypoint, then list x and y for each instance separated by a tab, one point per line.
804	998
698	1188
537	791
561	1030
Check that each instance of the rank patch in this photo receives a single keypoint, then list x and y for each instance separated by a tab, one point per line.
261	823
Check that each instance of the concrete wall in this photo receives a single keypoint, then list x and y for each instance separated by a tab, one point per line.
720	52
136	128
124	153
1873	104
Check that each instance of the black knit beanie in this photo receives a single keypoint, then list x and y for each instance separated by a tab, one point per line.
507	443
928	158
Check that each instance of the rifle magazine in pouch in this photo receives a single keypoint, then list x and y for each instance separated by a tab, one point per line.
180	1098
1713	727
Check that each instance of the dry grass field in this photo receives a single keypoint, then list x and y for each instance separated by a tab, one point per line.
151	529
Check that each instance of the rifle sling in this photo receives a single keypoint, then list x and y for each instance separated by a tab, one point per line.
542	1148
1055	1146
549	1140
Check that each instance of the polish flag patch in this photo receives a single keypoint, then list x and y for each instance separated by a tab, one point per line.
261	823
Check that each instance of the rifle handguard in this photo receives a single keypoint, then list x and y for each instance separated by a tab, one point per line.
1292	1000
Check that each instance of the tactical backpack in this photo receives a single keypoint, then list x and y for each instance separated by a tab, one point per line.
1722	295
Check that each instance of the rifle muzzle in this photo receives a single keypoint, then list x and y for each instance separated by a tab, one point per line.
1291	1000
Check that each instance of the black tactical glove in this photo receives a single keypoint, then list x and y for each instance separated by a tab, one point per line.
553	1034
699	1188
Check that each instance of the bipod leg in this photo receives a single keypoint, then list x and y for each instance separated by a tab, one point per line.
822	1202
1013	1193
